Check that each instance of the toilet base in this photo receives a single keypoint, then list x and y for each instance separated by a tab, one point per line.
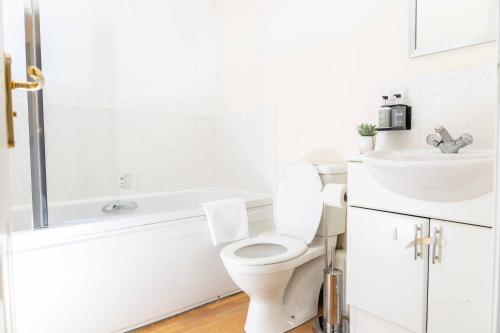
286	305
271	319
267	316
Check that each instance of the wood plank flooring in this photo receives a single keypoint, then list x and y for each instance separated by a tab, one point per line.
224	316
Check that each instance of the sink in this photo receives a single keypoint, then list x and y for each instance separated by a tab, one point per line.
432	175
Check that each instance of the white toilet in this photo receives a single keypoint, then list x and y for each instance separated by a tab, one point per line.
282	273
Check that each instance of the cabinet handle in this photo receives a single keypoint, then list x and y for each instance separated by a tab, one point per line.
435	240
418	242
416	252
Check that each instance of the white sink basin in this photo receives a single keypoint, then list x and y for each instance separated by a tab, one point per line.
433	176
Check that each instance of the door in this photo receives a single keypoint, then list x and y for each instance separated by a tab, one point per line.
4	199
387	277
460	278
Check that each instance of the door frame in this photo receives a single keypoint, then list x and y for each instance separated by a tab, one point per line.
496	227
6	306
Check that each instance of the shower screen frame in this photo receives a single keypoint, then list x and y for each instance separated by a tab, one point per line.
36	118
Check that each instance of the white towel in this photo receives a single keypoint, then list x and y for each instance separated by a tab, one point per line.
227	220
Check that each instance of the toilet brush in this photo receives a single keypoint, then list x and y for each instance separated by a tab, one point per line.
333	295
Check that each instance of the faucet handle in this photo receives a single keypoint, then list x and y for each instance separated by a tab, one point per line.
465	140
433	140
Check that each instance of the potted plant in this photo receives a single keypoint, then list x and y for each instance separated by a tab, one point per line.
367	139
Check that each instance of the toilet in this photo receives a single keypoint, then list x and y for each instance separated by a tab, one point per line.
282	272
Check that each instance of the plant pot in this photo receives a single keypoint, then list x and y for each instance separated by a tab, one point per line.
366	144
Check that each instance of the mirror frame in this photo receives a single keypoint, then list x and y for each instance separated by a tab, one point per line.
415	52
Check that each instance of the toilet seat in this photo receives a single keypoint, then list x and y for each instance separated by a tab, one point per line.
297	213
263	250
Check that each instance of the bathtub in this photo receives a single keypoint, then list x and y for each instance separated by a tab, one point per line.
97	272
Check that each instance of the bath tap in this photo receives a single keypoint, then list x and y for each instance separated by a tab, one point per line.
119	205
446	143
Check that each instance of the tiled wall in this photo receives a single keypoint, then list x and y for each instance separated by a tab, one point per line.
89	149
247	150
464	101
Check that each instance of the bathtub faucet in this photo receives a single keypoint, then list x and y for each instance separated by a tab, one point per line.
119	205
446	143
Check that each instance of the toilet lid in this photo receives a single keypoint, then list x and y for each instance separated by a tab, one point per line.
297	201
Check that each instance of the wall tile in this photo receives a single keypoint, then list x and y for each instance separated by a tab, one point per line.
484	78
208	154
247	150
462	100
20	184
451	111
88	149
482	119
439	84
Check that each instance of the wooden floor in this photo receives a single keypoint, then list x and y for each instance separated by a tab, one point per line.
224	316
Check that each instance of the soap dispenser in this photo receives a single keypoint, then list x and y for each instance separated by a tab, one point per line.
394	117
398	113
384	114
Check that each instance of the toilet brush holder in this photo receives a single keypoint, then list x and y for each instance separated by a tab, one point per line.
332	320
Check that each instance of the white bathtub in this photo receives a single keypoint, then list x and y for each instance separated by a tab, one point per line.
95	272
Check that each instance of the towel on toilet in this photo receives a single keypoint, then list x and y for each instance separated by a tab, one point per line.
227	220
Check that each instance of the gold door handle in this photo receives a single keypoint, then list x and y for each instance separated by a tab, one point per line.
37	84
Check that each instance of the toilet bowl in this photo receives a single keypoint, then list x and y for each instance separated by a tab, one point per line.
282	273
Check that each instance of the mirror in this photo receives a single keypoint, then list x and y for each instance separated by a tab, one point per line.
442	25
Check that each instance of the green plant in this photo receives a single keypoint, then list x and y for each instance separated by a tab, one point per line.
367	129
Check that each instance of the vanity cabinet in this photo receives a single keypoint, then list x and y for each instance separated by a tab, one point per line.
417	274
443	283
385	278
460	278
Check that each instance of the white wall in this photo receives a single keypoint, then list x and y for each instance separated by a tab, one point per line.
322	65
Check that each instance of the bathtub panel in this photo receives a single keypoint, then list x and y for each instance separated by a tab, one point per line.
116	281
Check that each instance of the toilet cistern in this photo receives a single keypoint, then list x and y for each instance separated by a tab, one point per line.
446	143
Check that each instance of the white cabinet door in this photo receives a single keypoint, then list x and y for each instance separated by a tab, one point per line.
461	279
384	277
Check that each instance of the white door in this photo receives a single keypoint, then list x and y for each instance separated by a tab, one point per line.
4	199
460	279
384	277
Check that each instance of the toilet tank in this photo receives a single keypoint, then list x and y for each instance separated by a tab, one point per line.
335	173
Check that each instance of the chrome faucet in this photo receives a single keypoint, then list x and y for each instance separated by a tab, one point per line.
446	143
119	205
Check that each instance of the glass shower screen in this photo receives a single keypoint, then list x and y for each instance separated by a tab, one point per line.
130	89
